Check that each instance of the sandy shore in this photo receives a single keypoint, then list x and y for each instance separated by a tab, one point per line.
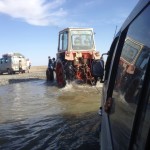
35	73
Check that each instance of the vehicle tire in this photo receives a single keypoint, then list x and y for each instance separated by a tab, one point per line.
60	74
9	71
70	75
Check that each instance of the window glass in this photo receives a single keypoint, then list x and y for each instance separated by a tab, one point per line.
109	58
63	41
144	128
82	40
129	80
130	50
6	60
60	41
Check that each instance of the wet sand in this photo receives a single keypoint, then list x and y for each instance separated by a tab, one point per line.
35	73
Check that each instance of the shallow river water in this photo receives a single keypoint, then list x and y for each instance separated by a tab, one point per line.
37	115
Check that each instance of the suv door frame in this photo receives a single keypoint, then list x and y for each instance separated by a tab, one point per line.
110	82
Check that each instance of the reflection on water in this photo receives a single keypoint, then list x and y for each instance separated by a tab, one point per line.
38	115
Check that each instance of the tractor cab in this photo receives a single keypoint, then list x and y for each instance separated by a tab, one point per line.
75	56
74	41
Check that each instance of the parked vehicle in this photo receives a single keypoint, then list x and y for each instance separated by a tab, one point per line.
126	91
9	63
77	57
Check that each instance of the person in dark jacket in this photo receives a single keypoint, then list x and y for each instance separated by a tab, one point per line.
49	71
54	64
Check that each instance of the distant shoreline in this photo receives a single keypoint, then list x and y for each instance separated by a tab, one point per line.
35	73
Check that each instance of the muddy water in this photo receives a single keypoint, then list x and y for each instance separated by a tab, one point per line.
37	115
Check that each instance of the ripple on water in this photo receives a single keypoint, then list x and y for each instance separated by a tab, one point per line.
38	115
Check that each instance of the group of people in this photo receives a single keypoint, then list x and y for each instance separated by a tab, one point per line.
51	63
51	68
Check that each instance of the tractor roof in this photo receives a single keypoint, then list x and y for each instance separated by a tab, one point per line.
75	28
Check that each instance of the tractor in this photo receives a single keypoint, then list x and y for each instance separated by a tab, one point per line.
77	58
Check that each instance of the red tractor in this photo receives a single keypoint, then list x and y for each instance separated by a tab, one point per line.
77	57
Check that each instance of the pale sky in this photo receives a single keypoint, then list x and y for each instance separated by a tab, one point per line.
31	26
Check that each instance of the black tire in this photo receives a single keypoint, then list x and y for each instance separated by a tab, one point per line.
70	75
60	75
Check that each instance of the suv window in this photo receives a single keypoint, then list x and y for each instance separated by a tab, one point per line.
109	58
143	127
130	50
129	80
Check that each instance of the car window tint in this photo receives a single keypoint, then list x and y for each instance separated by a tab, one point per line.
109	58
142	135
129	80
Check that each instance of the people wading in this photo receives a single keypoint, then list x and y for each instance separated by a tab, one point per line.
49	71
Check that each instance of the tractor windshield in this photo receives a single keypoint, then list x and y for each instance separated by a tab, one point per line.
82	40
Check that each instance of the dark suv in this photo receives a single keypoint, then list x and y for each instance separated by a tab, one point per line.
126	91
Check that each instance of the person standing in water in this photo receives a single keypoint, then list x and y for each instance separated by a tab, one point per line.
49	71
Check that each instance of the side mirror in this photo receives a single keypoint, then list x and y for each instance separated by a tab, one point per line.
105	54
98	69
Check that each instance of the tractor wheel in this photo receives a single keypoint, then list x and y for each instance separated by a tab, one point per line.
60	75
70	75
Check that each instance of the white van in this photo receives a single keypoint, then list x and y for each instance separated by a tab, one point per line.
9	63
